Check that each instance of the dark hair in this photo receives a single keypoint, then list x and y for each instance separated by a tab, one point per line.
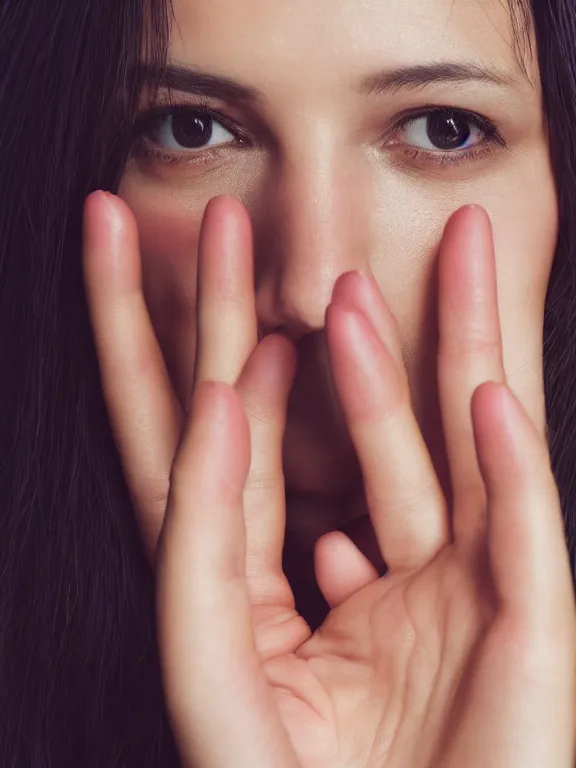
79	674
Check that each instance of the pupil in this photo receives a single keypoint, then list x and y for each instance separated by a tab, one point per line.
192	130
448	130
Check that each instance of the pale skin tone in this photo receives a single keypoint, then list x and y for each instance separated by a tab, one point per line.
331	185
381	277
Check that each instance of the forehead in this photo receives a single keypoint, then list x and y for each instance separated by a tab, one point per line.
261	39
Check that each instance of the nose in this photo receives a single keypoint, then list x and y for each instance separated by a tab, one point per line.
312	226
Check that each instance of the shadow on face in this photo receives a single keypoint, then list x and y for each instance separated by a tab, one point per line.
351	132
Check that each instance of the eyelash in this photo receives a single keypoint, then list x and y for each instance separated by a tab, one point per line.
492	140
149	117
440	158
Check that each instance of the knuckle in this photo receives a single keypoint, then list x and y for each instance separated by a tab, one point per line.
259	412
155	495
230	296
263	480
472	345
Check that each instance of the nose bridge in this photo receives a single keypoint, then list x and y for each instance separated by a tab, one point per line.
318	231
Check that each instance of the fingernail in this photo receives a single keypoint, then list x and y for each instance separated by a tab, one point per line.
339	292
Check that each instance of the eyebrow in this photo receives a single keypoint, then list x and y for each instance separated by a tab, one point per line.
421	75
412	77
180	78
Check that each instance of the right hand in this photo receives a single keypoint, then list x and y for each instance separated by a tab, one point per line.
146	417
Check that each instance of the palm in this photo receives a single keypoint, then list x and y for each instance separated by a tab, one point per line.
388	671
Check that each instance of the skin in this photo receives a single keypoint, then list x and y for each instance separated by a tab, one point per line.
327	195
454	475
462	654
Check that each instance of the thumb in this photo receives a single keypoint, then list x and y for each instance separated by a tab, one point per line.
222	709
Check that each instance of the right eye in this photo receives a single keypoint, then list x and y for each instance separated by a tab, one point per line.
186	130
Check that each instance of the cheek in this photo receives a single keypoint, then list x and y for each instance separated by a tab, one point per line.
525	233
406	223
169	230
407	235
521	202
168	208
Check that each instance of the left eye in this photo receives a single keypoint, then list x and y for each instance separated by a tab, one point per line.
442	130
189	130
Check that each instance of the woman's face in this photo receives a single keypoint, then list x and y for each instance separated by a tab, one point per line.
321	131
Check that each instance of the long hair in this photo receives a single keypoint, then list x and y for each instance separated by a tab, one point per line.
80	684
79	675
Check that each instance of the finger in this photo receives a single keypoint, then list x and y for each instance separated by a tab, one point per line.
470	353
219	700
264	387
361	290
530	648
406	503
351	560
131	364
341	568
525	530
227	325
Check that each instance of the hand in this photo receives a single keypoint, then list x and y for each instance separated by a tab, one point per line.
463	654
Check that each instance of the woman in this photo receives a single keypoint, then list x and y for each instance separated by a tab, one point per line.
347	153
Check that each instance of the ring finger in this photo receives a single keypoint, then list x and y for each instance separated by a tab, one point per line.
227	325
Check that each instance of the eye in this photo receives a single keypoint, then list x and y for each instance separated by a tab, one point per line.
444	130
187	130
